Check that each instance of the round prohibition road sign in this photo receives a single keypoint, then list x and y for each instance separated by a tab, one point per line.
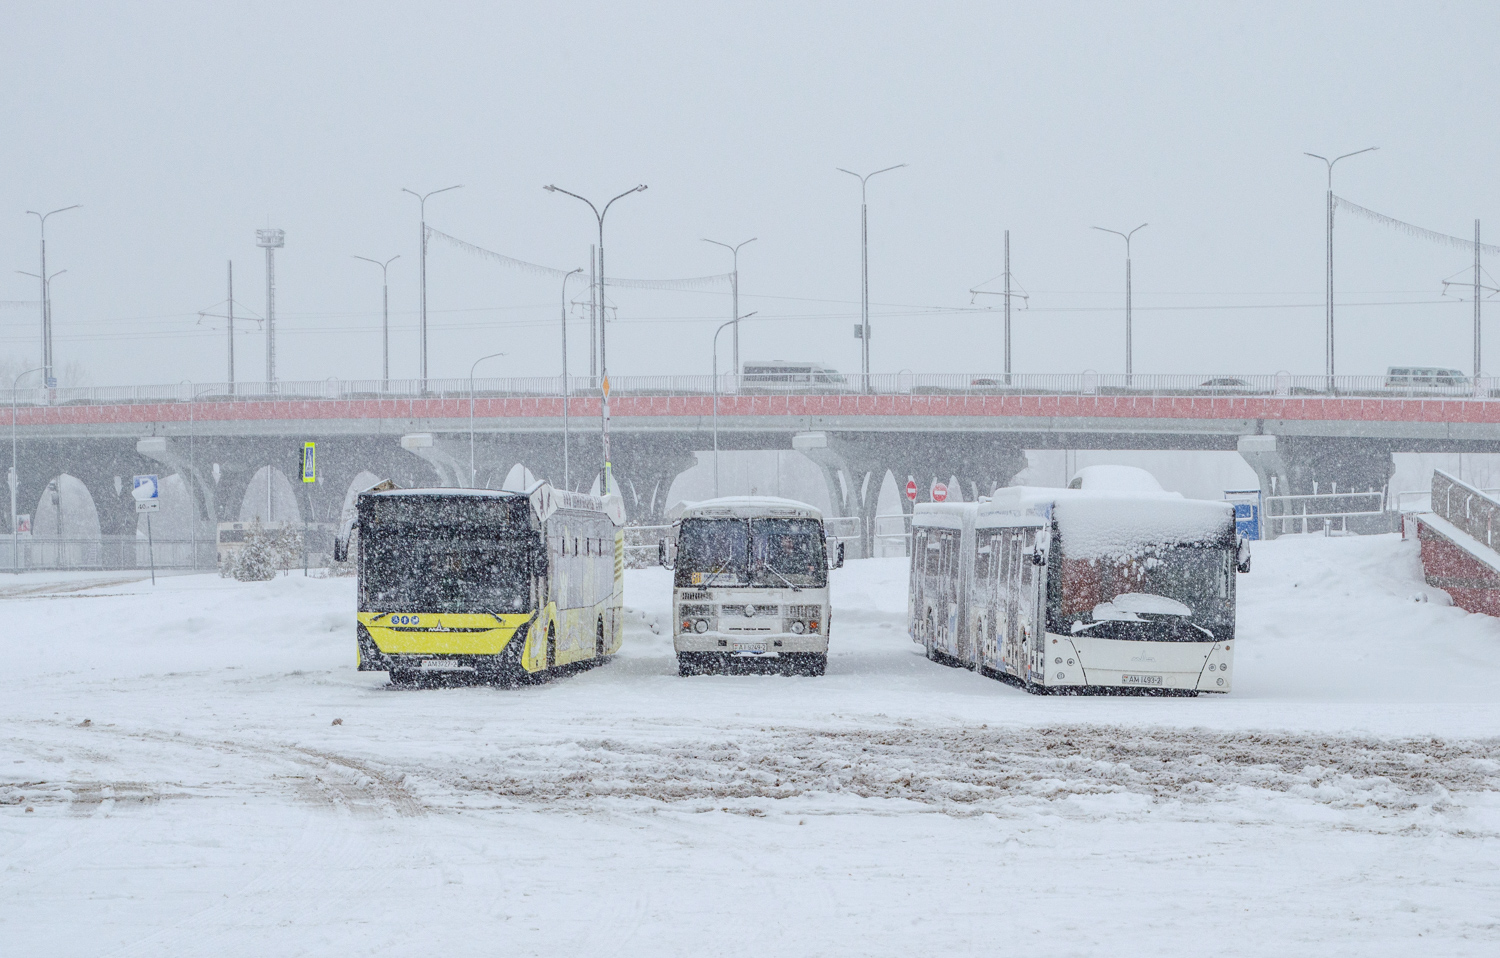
939	492
911	489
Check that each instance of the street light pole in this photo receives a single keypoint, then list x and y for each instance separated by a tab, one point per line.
603	352
864	272
735	295
1328	279
731	322
422	323
385	317
15	532
1129	352
46	297
566	392
472	481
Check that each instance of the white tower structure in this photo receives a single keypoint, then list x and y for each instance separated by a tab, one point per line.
270	241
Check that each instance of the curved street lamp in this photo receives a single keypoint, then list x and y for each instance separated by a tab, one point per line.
422	199
1328	281
603	353
723	327
1126	237
472	481
15	532
46	298
735	295
385	318
864	271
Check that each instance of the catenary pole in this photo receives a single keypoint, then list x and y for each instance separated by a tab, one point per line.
231	327
422	282
1007	307
1477	358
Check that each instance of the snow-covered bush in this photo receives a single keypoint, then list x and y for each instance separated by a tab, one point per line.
265	552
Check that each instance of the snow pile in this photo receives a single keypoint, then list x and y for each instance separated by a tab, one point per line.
1103	525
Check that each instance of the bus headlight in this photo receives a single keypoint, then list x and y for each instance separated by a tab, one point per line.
700	626
798	628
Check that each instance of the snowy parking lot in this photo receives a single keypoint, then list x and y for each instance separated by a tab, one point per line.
197	768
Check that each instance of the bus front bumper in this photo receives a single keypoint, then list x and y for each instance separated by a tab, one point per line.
761	644
1183	667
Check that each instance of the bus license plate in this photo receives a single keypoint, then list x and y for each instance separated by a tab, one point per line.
1142	679
749	646
441	665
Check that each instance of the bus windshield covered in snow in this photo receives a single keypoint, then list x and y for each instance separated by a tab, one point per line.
1106	586
505	585
760	552
750	581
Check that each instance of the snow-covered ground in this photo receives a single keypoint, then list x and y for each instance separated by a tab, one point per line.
172	781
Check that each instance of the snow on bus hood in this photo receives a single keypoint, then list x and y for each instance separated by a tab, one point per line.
1100	524
1132	605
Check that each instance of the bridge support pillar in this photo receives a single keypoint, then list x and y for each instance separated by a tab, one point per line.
173	455
1304	465
450	473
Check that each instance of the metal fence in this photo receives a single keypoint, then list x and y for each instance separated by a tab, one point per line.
885	384
110	553
1325	510
1469	508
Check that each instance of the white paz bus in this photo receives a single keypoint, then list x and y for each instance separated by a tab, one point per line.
750	585
1112	585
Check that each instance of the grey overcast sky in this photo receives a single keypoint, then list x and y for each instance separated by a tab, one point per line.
181	128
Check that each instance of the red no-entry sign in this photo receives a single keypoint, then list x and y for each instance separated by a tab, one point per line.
911	489
939	492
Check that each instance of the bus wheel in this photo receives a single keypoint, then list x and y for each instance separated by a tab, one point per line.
551	645
599	640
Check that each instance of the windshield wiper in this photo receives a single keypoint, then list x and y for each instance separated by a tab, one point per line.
795	588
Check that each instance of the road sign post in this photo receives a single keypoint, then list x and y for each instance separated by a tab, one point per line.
147	494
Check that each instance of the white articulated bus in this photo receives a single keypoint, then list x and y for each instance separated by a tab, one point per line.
750	585
1109	586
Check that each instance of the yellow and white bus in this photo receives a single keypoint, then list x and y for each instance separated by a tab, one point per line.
505	586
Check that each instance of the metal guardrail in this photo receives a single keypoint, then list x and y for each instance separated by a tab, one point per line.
1468	507
884	384
1291	513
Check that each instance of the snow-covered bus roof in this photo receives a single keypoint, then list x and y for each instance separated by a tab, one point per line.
1095	523
545	500
744	507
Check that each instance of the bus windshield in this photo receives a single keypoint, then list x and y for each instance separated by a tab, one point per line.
1176	593
787	552
713	552
761	553
445	575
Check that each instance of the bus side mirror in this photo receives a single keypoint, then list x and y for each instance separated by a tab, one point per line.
838	557
340	549
661	554
1038	557
1242	559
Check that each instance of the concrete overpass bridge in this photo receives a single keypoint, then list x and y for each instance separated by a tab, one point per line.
1294	431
